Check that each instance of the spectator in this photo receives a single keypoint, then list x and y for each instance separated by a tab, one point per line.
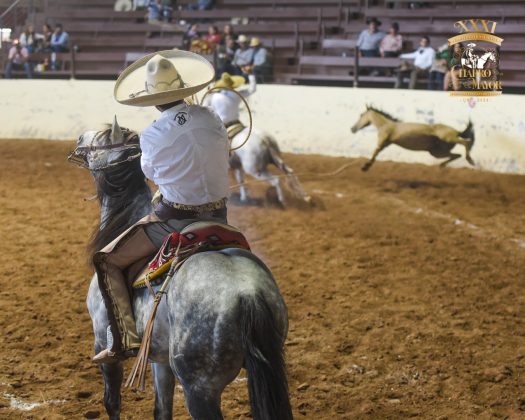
159	10
392	43
59	39
225	56
29	39
369	39
422	57
213	37
191	35
439	68
243	56
228	31
202	5
451	77
17	59
261	66
43	44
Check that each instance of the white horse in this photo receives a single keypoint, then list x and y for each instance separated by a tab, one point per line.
253	159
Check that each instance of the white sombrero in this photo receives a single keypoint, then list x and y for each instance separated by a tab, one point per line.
163	77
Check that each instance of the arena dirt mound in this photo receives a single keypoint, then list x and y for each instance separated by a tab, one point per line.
405	295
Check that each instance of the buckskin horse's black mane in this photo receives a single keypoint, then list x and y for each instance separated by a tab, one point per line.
384	114
123	190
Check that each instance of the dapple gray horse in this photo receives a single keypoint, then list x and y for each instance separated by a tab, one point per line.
223	310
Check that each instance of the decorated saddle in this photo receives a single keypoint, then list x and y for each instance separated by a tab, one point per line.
178	246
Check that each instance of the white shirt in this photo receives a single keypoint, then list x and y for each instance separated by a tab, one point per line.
423	57
185	152
226	103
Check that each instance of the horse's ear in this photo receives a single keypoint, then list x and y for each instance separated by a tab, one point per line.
367	106
116	132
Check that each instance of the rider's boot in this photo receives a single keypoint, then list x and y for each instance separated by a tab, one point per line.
122	338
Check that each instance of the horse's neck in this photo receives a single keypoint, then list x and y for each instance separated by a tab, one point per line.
379	120
136	208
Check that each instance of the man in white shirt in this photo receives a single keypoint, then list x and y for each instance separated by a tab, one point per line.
423	58
185	153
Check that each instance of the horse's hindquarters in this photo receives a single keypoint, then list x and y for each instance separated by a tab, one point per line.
205	312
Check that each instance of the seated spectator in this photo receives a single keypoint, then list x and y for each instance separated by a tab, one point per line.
439	68
17	59
261	66
29	39
451	77
190	35
43	44
243	56
369	39
59	39
159	10
392	43
228	31
422	57
213	37
202	5
225	55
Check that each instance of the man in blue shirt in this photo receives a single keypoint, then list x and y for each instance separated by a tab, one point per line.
59	39
370	39
261	66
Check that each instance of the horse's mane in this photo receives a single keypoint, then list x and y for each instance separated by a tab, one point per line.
384	114
123	191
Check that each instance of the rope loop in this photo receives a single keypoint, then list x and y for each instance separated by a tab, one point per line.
217	89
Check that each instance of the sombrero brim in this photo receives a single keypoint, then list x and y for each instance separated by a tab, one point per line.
195	71
238	81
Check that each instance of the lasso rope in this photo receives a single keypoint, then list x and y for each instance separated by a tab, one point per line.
216	89
325	175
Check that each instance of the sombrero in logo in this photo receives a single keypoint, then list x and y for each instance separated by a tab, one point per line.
163	77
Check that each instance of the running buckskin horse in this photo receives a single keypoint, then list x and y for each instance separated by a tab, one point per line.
222	310
436	139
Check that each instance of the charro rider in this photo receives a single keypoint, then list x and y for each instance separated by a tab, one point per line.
185	153
227	103
471	57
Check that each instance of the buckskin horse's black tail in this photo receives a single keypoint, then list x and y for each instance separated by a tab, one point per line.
468	133
264	360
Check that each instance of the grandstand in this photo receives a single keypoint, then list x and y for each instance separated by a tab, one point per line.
311	41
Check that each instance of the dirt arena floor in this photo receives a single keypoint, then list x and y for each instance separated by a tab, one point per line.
405	293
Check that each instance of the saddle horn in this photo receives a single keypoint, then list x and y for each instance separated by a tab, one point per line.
117	135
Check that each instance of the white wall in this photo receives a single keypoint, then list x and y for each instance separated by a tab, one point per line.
303	119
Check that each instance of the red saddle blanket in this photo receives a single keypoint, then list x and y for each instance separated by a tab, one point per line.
208	236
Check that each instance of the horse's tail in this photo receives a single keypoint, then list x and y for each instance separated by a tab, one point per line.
264	360
468	133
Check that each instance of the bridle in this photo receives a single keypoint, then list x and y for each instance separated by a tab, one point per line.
78	156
